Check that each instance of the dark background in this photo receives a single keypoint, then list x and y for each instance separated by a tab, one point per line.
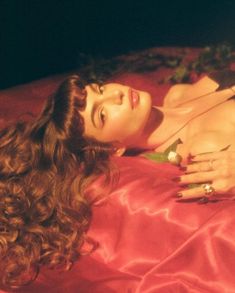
40	38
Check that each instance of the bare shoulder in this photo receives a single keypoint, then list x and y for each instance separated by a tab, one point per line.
175	95
180	94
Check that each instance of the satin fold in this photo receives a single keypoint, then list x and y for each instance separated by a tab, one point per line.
151	242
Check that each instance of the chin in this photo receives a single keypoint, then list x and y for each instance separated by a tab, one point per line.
145	103
143	112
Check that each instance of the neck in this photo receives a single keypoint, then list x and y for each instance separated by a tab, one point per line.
173	126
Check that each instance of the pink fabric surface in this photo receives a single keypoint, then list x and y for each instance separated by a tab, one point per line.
148	241
19	101
170	246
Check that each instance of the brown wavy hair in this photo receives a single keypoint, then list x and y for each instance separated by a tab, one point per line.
45	167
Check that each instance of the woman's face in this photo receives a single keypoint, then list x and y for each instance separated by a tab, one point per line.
116	113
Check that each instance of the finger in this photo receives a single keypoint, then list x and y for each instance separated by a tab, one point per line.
198	177
213	156
204	190
190	193
202	166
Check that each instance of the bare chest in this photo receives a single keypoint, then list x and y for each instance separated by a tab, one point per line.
210	132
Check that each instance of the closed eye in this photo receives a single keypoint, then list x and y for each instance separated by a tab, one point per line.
102	116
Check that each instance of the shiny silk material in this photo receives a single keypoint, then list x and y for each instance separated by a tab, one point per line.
151	242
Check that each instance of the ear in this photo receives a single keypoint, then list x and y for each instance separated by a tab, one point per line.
120	151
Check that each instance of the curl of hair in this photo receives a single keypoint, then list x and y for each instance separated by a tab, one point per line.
45	166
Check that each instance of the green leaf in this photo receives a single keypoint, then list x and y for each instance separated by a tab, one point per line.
162	157
157	157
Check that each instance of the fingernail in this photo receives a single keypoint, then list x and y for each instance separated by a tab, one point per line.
190	158
179	194
183	169
176	179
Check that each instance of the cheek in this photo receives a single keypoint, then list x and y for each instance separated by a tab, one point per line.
121	127
117	123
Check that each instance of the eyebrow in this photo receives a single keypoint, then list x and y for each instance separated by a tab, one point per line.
94	108
93	111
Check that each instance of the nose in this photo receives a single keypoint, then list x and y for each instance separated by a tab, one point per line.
114	97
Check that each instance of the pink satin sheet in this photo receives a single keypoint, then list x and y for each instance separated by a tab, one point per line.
151	242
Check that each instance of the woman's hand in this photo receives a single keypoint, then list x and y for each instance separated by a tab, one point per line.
214	174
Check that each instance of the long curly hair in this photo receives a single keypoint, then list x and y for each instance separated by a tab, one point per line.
45	167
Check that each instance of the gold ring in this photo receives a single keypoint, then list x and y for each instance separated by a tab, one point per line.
209	190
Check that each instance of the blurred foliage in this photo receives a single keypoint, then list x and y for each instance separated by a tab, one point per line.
100	69
211	58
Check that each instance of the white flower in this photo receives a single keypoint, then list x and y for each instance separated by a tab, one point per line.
174	158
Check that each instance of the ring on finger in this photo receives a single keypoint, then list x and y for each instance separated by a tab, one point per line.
208	189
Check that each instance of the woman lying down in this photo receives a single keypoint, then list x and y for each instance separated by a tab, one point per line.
47	165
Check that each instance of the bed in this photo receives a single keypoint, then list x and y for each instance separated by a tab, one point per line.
147	240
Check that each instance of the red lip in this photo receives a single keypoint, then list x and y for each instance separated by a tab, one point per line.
134	98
